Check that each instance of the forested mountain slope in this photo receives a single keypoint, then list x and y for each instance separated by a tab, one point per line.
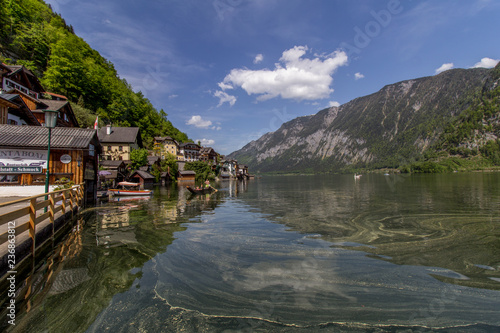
32	35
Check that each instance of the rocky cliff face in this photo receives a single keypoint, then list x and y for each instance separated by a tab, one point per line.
383	129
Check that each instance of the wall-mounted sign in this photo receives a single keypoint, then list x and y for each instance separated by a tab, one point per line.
23	158
17	169
65	159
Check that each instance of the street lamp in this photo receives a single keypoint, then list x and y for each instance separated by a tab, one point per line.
50	123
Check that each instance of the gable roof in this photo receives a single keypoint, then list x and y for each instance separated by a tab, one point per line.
153	159
20	109
120	135
31	79
142	174
6	99
187	173
111	164
163	138
37	137
57	105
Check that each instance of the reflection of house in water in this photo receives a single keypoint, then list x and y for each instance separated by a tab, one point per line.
115	228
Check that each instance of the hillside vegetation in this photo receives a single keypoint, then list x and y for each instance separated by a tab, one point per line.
32	35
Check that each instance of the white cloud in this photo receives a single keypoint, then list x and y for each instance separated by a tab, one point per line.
358	76
224	86
299	79
444	67
206	142
173	96
224	97
198	122
258	58
333	103
486	63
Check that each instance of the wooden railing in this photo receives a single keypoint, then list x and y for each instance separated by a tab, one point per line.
17	225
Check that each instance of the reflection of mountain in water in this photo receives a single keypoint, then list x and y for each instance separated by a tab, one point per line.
118	240
446	221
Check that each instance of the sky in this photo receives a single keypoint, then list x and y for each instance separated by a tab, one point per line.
228	71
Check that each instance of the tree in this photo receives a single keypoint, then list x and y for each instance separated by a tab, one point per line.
202	169
138	158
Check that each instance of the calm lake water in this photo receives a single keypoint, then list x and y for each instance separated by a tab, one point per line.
282	254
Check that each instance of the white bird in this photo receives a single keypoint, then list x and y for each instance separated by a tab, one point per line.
356	176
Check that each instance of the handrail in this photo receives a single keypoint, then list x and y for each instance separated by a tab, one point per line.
26	219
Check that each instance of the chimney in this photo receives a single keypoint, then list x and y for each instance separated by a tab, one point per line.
108	129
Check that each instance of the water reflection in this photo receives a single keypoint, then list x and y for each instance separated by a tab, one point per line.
381	253
448	221
102	257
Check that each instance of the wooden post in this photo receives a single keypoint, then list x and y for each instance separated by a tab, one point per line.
63	203
32	226
52	205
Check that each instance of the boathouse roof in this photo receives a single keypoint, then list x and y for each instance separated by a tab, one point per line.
142	174
37	137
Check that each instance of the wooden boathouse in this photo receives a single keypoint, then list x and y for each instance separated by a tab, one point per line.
74	156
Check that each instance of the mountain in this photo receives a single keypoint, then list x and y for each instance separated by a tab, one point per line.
390	128
31	34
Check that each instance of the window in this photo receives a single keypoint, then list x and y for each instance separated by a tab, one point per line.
12	122
120	158
109	148
120	148
39	179
9	179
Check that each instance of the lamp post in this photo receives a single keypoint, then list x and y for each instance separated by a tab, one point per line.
50	123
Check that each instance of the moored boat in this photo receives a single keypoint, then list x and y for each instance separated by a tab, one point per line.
129	189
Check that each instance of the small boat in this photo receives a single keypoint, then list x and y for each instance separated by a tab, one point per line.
129	189
201	190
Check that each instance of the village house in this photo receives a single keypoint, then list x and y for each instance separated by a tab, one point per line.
73	156
191	151
144	178
18	77
152	161
229	169
208	155
13	111
118	142
19	83
187	176
112	171
166	145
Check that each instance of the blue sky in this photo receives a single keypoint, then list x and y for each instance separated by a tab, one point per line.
228	71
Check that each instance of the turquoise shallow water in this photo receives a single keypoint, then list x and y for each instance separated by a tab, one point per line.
304	253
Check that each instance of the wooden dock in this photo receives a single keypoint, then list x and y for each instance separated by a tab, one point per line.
27	224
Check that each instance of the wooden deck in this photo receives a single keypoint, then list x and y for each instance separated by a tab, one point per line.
27	223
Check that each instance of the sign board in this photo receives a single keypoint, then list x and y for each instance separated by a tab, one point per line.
23	158
18	169
65	159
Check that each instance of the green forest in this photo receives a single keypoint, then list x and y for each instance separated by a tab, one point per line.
31	34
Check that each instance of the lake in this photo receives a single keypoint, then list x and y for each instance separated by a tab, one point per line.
383	253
